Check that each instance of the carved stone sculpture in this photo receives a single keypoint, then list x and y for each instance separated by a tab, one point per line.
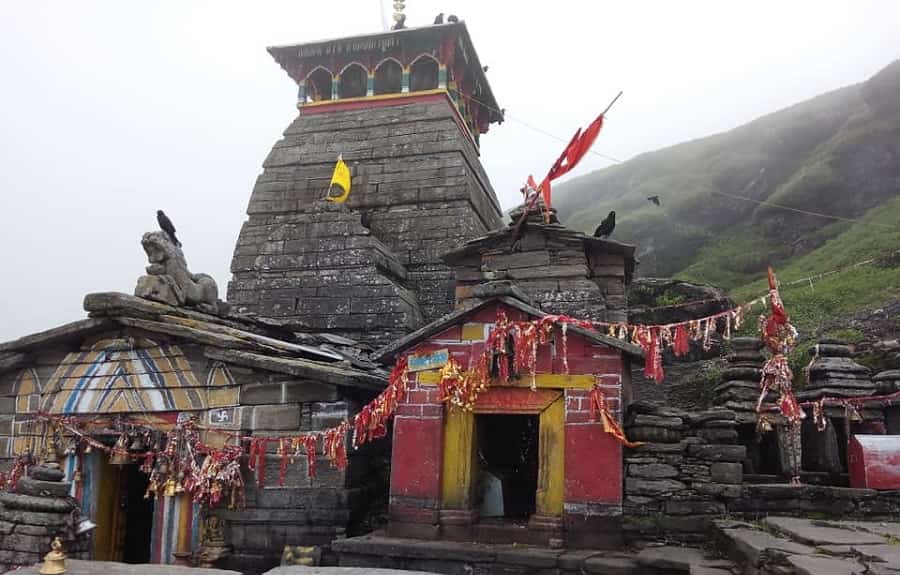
168	279
213	547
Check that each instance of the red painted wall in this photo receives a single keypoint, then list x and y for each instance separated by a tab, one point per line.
593	459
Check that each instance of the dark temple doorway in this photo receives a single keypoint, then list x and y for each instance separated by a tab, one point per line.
508	457
138	515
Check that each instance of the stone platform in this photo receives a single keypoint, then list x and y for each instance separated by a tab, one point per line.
454	558
795	546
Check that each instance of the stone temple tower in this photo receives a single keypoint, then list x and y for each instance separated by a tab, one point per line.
405	109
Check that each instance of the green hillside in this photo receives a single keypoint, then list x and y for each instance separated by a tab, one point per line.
838	153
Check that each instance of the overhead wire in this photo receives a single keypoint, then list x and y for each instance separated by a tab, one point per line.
720	193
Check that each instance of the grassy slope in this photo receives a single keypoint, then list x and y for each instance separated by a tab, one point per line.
835	294
838	153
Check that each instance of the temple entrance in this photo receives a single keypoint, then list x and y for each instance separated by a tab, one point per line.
124	518
507	454
138	515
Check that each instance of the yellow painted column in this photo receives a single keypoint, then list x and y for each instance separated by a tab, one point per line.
456	478
183	538
551	460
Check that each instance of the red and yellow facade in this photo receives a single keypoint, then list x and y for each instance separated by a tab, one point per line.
579	480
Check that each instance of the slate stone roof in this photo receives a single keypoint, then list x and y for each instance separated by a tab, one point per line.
235	339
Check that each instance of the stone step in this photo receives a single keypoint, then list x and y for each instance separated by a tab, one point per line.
683	560
798	546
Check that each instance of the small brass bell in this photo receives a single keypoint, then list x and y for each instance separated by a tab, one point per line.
54	561
138	445
120	452
169	490
51	457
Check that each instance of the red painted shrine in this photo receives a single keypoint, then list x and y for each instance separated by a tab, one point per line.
525	461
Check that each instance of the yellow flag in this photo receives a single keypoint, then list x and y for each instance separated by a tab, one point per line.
341	179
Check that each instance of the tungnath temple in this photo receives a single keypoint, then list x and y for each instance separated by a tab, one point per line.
325	299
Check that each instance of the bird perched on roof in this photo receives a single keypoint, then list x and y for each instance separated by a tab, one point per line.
484	68
439	19
654	199
166	225
606	227
400	24
452	19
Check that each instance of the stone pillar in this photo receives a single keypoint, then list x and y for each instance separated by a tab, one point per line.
833	373
30	518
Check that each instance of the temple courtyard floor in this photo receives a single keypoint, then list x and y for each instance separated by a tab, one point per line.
773	546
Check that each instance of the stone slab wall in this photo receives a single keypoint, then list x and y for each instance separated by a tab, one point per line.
555	270
684	476
419	182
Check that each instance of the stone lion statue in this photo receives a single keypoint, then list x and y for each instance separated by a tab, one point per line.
168	279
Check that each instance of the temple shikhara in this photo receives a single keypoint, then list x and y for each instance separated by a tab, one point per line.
403	376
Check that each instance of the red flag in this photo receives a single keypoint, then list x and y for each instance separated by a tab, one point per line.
578	146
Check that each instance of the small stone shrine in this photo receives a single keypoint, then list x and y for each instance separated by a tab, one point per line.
34	513
502	437
141	367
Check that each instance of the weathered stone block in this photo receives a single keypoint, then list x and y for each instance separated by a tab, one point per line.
718	452
693	507
654	434
261	393
657	421
638	486
30	486
725	472
653	471
276	417
306	391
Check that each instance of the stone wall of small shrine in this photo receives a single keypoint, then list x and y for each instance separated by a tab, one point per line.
685	474
234	400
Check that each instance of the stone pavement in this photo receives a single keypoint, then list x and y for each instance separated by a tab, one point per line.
791	545
456	558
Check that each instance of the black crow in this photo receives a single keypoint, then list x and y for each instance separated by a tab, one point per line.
654	199
484	68
452	18
606	227
165	224
439	19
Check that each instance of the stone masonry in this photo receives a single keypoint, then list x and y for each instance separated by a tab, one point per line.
417	184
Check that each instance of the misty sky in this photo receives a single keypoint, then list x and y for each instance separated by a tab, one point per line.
112	109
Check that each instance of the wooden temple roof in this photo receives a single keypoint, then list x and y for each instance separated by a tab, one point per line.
292	56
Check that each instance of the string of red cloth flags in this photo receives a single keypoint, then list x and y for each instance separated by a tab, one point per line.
677	336
510	351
